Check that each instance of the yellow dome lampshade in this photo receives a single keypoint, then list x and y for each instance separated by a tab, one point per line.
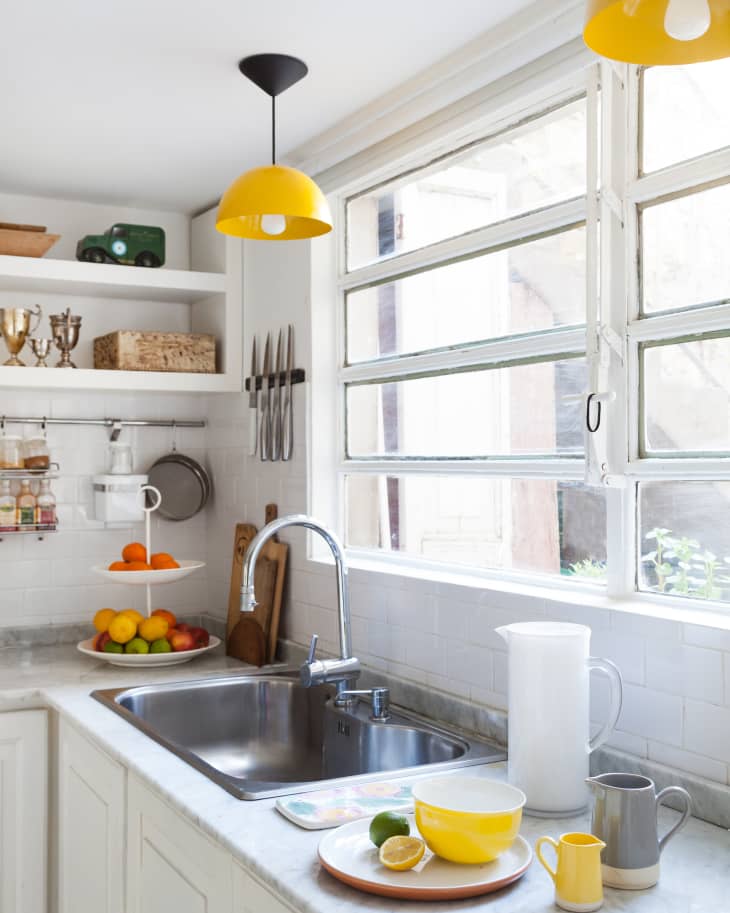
273	203
655	32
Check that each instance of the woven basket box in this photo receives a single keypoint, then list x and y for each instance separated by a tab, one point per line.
132	350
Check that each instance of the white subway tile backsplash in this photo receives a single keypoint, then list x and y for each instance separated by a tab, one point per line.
625	741
626	651
470	663
689	761
652	714
649	626
707	730
713	638
682	669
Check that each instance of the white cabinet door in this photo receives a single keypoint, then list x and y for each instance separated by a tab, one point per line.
251	896
172	867
91	826
23	811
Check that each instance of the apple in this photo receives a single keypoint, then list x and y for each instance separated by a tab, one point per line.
200	636
101	640
182	640
185	628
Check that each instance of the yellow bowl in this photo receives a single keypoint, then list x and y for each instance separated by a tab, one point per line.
467	819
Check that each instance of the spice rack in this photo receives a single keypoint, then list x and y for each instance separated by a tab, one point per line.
30	475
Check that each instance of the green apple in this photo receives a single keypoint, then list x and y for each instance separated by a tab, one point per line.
137	645
160	646
111	646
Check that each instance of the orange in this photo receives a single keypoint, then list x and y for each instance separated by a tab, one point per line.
118	566
103	618
136	616
122	629
138	566
153	628
167	615
166	565
160	558
135	551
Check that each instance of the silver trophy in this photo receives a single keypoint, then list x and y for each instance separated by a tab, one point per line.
65	328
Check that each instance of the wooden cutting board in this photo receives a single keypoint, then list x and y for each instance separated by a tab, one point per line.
269	577
247	642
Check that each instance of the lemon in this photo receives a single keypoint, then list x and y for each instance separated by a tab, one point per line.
136	616
388	824
103	618
122	629
401	853
153	628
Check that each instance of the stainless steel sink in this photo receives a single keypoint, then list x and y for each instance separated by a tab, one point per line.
267	735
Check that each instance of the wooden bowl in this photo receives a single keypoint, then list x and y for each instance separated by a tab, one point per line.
18	243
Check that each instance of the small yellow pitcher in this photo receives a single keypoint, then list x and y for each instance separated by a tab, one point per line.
577	876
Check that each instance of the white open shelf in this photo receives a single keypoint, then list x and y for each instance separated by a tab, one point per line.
107	280
90	379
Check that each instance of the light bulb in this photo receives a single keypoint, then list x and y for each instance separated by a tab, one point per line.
686	20
273	224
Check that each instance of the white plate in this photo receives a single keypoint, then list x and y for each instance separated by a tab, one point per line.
348	854
145	577
151	660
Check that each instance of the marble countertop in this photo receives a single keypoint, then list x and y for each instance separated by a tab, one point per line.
695	865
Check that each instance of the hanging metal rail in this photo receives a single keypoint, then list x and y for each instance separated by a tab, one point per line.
115	424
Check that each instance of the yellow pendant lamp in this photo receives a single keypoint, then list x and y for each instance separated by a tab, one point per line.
655	32
273	203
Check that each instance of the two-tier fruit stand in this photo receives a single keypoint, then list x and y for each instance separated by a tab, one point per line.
148	579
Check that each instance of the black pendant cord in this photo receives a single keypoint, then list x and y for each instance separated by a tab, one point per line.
273	129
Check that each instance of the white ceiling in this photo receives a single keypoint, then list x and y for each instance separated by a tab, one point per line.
140	102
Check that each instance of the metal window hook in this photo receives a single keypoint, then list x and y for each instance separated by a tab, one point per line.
44	431
2	425
116	430
598	398
595	426
174	432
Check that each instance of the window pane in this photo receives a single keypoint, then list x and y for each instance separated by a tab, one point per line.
534	165
504	411
508	524
685	244
685	112
686	393
532	286
685	539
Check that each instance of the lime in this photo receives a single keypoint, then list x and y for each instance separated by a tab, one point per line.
112	646
401	853
137	645
388	824
160	646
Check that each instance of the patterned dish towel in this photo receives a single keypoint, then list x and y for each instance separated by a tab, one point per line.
333	807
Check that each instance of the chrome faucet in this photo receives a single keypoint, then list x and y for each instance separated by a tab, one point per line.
343	671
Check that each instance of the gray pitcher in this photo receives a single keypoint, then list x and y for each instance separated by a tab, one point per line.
625	818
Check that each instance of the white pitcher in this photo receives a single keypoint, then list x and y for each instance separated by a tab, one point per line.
549	714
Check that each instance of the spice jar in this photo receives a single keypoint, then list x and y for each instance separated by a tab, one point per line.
11	452
35	453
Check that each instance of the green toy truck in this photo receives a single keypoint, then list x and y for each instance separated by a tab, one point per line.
132	245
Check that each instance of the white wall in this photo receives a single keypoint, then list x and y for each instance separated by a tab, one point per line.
677	675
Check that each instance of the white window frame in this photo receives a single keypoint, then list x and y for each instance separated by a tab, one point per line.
611	341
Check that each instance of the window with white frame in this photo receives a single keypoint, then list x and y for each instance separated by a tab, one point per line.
477	314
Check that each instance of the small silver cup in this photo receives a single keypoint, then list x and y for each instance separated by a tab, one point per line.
41	348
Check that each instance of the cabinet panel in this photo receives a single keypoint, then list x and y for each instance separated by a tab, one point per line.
23	811
91	827
171	864
250	896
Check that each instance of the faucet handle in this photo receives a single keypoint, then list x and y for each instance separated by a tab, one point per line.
312	648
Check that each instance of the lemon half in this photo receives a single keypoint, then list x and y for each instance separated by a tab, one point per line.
401	853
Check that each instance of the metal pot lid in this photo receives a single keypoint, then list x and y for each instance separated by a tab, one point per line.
183	483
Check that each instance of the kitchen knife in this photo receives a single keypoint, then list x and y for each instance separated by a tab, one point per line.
253	400
276	406
266	402
287	417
